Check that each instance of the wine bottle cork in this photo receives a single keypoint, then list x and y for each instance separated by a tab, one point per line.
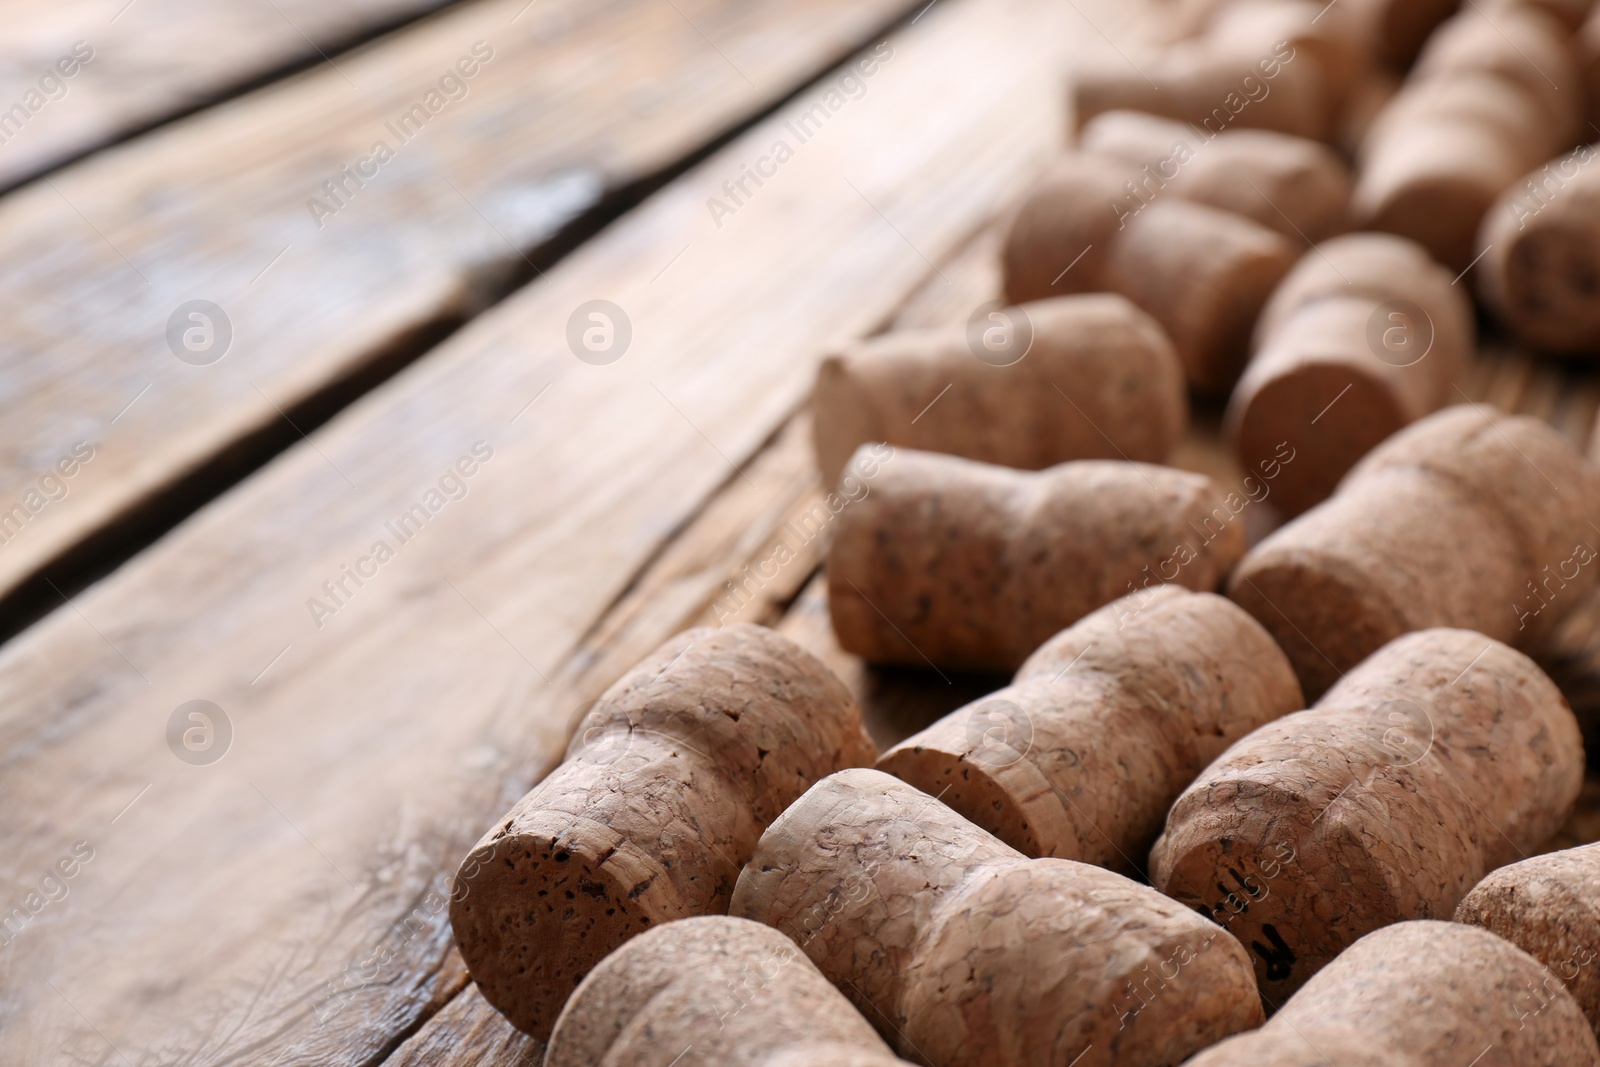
1104	726
1299	187
1203	274
665	790
1540	271
1442	756
735	992
1466	491
1075	377
1419	994
1365	336
964	951
965	565
1548	906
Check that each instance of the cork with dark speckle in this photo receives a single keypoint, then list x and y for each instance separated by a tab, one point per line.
1445	755
963	951
665	790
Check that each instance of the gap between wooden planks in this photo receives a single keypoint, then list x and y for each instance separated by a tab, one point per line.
152	60
281	904
576	101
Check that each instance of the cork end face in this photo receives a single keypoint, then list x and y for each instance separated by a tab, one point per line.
1326	615
532	915
1326	416
1549	286
977	788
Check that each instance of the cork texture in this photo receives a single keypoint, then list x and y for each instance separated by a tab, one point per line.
1548	906
665	790
1100	380
718	992
1467	490
965	952
1420	994
1442	757
1365	336
966	565
1104	726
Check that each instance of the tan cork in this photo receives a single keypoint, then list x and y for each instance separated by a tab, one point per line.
1548	906
967	565
1474	116
1540	272
1366	335
665	790
1441	757
1076	377
1299	187
715	992
1204	274
1421	994
963	951
1104	726
1469	518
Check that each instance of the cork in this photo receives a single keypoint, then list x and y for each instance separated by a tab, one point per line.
1104	726
1203	274
665	790
1540	273
1073	377
1299	187
1467	491
1418	994
965	565
1548	906
1396	29
1444	755
1489	99
963	951
1365	336
734	992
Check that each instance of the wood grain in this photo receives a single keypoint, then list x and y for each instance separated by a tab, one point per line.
576	101
154	59
279	905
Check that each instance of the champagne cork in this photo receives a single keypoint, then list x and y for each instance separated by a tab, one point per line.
965	952
964	565
665	790
1104	726
1365	336
1075	377
1444	755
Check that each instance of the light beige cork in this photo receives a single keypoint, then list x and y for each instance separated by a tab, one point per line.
1079	377
1421	994
1469	518
1104	726
967	565
1203	274
1299	187
1548	906
1443	756
1540	272
963	951
1366	335
666	787
715	992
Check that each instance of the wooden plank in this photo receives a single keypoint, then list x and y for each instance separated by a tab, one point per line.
282	903
149	60
574	102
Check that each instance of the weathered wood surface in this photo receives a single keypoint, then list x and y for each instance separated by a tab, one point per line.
151	60
281	905
575	101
